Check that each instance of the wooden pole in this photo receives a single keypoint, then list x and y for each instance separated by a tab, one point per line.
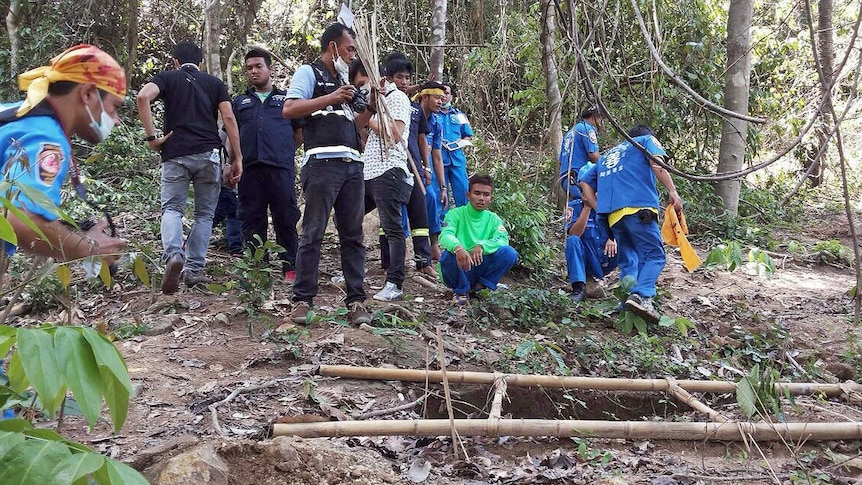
441	356
560	382
681	394
698	431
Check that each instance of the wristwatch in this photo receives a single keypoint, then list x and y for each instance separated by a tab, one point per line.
150	138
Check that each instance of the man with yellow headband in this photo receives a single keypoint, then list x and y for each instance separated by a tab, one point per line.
77	94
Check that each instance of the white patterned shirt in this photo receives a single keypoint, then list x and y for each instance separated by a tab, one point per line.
377	161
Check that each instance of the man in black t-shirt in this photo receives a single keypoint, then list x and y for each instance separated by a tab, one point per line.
190	155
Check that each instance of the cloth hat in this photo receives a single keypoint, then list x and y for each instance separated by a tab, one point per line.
81	64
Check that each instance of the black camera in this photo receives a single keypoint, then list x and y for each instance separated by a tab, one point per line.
359	103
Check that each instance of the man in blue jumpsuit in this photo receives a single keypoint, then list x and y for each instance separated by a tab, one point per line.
590	253
456	136
430	98
268	141
626	181
580	145
77	94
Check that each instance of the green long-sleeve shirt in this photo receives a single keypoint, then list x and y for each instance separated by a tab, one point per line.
466	227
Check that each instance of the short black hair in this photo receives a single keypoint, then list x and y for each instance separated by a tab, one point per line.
641	130
187	52
356	68
333	33
258	52
430	85
395	63
481	178
593	110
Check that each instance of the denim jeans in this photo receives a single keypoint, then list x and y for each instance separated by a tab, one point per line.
494	266
328	184
227	210
203	173
641	252
268	188
388	193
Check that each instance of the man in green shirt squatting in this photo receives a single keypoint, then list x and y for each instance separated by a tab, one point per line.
477	252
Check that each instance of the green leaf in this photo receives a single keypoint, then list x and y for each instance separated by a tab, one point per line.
38	197
18	381
524	348
116	473
746	397
7	233
9	440
15	425
78	466
139	267
32	462
115	377
36	350
23	217
64	274
8	336
80	370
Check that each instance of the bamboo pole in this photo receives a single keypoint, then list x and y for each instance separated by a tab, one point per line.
698	431
681	394
497	401
561	382
441	356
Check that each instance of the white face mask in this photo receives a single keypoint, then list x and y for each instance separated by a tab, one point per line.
105	125
341	67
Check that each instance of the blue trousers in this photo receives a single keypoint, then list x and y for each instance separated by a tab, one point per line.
456	180
228	210
432	205
641	252
489	273
585	256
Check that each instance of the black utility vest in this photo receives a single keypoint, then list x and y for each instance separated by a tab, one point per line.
332	125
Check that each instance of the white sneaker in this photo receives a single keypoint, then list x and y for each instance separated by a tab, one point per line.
390	292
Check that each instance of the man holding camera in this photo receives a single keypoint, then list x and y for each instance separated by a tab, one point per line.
332	171
388	180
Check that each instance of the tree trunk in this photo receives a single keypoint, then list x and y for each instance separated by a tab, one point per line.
212	31
826	53
731	152
12	20
552	89
132	36
438	38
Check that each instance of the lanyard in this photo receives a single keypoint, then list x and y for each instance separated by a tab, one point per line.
81	192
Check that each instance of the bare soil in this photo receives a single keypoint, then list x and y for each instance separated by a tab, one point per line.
801	314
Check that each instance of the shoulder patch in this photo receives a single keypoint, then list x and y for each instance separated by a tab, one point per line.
50	159
593	137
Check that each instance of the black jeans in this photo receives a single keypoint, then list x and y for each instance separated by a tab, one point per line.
388	193
265	187
328	184
417	215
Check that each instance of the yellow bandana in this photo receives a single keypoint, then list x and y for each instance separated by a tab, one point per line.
81	64
430	92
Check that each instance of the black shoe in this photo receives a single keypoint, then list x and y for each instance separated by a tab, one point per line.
194	278
643	307
578	296
171	279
